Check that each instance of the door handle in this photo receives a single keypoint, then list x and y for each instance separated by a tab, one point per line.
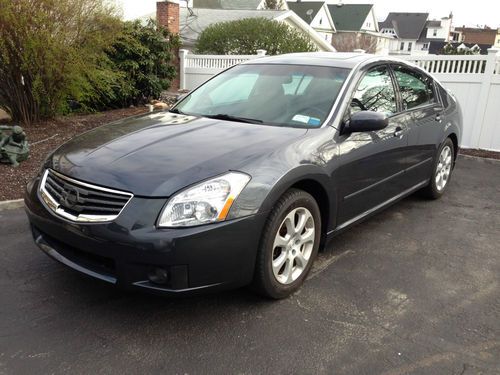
399	132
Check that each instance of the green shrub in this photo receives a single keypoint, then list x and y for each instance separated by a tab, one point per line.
245	37
145	56
47	48
77	51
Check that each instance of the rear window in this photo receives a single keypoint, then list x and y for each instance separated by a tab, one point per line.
416	89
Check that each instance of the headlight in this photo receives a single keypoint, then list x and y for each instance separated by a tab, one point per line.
204	203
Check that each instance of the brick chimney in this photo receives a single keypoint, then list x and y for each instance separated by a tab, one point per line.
167	15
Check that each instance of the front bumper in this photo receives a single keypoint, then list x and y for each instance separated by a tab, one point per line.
123	252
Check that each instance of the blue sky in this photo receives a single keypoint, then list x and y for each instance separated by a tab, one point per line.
477	12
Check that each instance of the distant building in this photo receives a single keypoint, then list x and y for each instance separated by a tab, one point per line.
436	48
477	35
357	28
412	33
316	15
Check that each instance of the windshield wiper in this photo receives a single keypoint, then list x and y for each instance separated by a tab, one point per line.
175	110
225	116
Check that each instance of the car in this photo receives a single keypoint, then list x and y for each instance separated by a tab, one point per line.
248	176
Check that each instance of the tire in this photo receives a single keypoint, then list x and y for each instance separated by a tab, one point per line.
286	255
444	164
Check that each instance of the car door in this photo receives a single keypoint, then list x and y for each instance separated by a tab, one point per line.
372	163
420	101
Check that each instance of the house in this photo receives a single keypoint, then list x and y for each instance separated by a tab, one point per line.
477	35
357	28
405	28
437	47
316	15
435	31
192	21
413	32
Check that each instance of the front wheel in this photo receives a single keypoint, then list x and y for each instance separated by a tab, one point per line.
289	245
441	174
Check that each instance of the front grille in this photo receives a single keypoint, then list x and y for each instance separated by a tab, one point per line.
80	201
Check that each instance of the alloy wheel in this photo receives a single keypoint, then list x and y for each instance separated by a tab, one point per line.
293	245
443	168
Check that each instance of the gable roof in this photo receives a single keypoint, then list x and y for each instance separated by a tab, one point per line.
301	9
349	17
227	4
406	25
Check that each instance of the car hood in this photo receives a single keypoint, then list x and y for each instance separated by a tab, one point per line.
157	154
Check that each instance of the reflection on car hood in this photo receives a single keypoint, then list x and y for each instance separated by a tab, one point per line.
157	154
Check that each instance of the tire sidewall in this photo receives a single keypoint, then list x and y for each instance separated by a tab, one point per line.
297	199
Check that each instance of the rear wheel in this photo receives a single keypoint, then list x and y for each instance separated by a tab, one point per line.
289	245
443	167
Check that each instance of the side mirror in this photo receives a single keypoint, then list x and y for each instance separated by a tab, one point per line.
366	121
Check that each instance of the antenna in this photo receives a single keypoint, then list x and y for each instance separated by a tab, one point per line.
309	13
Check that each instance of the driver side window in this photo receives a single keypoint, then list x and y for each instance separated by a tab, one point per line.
375	92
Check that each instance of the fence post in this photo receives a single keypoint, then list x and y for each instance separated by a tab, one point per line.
261	52
182	68
482	102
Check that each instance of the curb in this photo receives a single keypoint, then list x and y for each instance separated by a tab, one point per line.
11	205
478	158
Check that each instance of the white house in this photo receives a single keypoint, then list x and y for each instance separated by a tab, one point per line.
316	15
412	33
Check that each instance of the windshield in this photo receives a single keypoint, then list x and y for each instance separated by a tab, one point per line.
286	95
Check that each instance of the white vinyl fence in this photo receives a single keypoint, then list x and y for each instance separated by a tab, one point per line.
474	80
196	69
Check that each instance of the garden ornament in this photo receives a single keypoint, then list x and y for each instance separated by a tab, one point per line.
14	146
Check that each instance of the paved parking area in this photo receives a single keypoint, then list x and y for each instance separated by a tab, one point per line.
414	290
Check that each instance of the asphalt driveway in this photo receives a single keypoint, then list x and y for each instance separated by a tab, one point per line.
414	290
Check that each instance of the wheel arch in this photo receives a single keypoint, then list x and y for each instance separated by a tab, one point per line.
315	182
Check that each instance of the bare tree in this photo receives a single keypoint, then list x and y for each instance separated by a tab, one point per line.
349	41
273	4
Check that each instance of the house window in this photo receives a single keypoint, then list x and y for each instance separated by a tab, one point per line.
426	46
434	32
368	24
321	21
402	46
409	46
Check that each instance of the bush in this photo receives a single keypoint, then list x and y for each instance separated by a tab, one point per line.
77	51
245	37
145	56
47	49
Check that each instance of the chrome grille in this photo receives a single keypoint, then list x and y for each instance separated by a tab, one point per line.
79	201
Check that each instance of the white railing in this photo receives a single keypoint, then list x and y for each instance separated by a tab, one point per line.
473	79
196	69
450	64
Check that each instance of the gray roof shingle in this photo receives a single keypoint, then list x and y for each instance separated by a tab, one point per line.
407	25
227	4
349	17
301	9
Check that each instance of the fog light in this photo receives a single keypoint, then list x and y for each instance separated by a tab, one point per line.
158	276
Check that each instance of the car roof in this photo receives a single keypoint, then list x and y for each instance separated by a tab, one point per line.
334	59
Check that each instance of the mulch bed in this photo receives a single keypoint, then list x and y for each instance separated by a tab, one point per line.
480	153
45	137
